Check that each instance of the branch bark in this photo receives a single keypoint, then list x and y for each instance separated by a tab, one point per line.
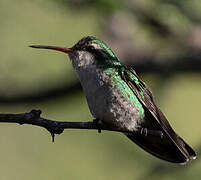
54	127
57	127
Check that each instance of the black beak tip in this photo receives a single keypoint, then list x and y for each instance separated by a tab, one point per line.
33	46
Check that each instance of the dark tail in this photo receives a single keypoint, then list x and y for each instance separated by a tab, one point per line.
176	151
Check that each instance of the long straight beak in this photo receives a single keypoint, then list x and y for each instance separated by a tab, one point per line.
56	48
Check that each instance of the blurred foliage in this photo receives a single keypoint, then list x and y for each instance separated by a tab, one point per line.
23	70
101	6
139	31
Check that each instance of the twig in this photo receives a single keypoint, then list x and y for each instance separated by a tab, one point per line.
57	127
54	127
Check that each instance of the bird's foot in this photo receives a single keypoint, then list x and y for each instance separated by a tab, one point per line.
99	124
147	132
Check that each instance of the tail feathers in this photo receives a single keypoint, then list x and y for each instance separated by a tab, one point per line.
190	152
165	148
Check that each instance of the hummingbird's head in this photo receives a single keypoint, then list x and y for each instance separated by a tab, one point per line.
88	51
92	50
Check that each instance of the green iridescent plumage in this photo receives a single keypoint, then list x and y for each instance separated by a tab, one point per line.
116	79
124	89
110	66
105	47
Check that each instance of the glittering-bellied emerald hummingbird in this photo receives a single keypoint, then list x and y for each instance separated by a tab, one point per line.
119	98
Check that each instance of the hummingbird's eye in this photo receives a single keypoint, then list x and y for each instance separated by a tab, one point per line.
91	48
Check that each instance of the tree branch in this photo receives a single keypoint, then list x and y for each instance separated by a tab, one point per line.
54	127
57	127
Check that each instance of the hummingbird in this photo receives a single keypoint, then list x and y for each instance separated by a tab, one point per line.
118	98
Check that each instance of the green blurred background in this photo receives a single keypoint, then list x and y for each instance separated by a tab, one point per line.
162	40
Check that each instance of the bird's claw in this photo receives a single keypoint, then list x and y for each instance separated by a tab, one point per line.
99	124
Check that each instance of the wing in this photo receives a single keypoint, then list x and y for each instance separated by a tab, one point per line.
167	148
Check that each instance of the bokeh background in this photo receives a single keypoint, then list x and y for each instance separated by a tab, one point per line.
160	39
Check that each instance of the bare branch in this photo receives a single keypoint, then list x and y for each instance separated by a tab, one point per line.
57	127
54	127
